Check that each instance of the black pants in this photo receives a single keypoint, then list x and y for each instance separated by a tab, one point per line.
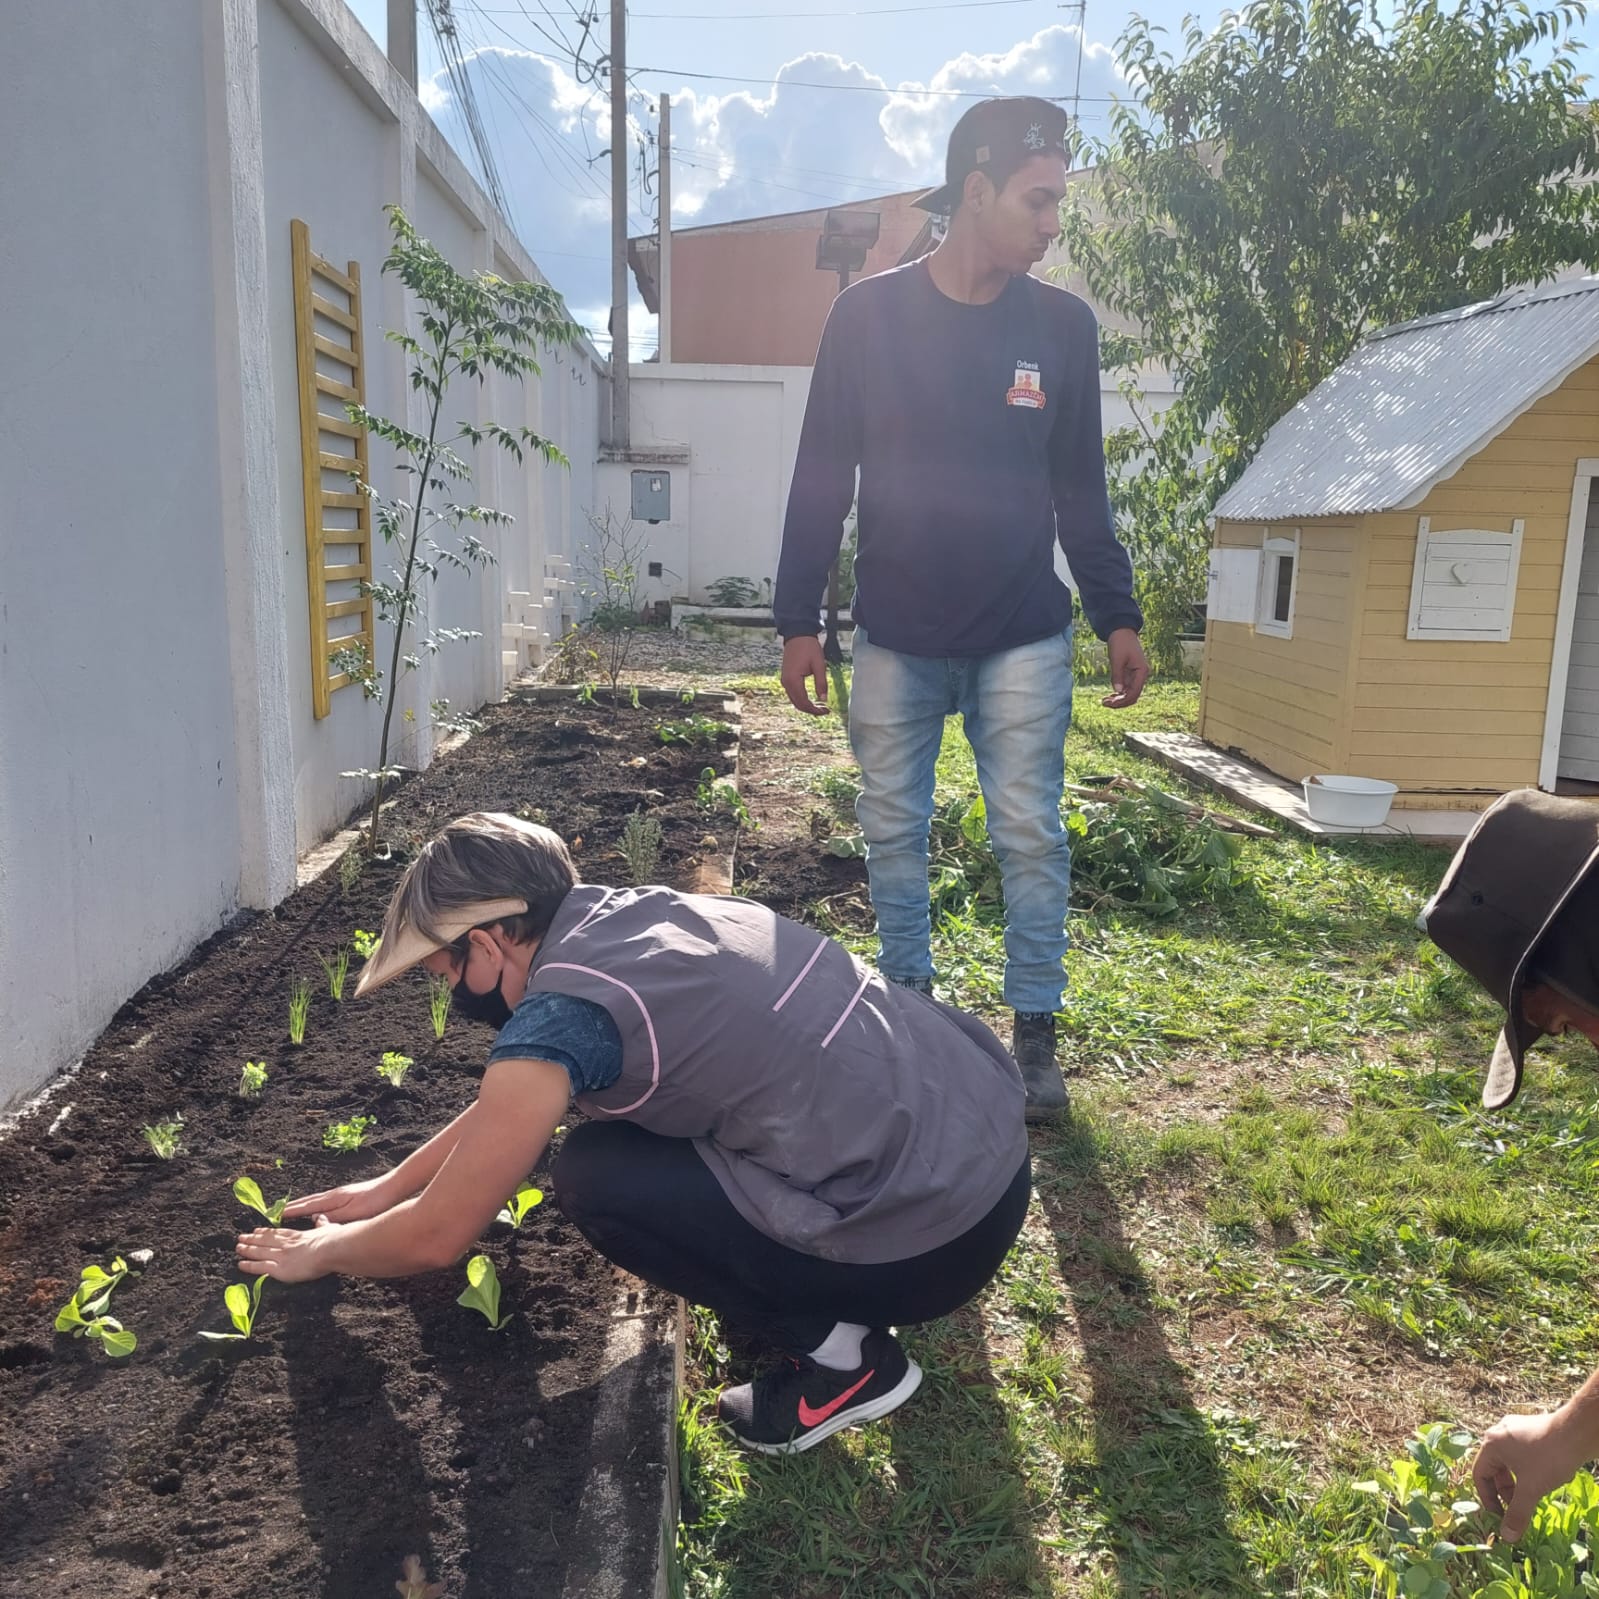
651	1205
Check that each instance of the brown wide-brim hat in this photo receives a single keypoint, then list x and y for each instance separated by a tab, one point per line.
1513	875
399	951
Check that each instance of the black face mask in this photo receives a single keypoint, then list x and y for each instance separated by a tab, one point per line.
489	1007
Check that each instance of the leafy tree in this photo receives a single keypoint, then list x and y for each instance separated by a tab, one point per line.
1307	173
470	326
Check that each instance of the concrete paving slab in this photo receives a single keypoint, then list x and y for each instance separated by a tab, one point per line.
1261	790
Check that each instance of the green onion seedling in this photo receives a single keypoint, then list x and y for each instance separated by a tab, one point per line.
365	943
252	1079
84	1314
337	966
394	1066
242	1300
347	1137
164	1138
248	1193
440	993
522	1201
299	1008
483	1291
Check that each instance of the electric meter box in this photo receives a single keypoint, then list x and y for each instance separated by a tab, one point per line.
652	496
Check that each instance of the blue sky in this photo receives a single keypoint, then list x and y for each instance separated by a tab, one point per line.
778	105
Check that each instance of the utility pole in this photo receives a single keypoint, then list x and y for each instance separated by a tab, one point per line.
665	203
402	38
621	350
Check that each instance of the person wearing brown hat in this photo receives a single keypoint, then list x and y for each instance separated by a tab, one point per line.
773	1132
965	393
1519	910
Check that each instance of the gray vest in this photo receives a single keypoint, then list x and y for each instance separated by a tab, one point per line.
843	1116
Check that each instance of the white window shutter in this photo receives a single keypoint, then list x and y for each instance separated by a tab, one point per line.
1234	583
1464	582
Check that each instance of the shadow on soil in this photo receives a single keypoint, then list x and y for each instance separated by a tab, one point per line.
1157	1489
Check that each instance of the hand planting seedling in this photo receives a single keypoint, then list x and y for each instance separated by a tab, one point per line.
299	1008
248	1193
84	1314
364	942
440	992
337	967
252	1079
347	1137
163	1137
483	1291
522	1201
394	1066
242	1300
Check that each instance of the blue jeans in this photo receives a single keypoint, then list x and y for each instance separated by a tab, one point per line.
1015	707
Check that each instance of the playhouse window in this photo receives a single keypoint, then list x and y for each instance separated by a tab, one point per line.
1279	582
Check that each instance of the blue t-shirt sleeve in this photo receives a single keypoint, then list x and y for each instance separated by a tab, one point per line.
574	1033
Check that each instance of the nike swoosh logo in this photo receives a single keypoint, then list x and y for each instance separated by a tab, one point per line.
813	1418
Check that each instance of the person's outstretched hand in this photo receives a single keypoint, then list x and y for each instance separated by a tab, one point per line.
1129	669
1521	1460
803	663
290	1254
352	1202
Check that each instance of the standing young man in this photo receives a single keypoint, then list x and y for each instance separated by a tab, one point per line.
966	393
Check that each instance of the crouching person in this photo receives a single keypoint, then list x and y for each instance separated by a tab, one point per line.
775	1132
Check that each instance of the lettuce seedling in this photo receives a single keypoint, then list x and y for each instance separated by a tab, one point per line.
242	1300
483	1291
337	966
84	1314
299	1008
248	1193
365	943
440	993
346	1137
252	1079
394	1066
164	1137
522	1201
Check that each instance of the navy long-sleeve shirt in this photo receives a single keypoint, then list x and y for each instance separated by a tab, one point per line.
976	432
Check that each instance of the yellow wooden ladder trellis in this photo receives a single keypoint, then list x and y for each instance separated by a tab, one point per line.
339	307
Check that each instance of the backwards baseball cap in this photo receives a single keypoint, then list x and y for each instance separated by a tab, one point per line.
998	134
1516	907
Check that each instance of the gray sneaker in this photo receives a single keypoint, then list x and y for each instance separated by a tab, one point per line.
1033	1047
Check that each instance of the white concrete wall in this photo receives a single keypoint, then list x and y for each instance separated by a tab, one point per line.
160	766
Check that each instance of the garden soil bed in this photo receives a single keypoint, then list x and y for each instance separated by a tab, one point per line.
365	1421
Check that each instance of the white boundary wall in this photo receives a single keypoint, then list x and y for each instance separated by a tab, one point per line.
160	766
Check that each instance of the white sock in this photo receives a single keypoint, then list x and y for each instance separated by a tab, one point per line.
840	1350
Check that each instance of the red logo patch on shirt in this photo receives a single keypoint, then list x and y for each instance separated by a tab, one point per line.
1027	391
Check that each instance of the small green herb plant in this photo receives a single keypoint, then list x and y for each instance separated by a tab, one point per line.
482	1291
242	1300
365	943
440	993
337	967
347	1137
693	730
299	1008
165	1138
721	793
252	1079
394	1066
248	1193
84	1314
522	1201
640	845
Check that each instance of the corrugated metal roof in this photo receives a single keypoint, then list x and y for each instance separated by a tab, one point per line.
1415	402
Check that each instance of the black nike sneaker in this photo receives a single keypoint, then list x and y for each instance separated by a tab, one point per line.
786	1410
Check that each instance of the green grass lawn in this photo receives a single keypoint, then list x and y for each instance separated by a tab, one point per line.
1276	1236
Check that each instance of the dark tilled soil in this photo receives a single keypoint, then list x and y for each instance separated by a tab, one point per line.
365	1421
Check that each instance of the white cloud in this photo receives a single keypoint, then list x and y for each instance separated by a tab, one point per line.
744	153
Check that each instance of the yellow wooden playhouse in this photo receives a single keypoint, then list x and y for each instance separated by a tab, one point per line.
1405	581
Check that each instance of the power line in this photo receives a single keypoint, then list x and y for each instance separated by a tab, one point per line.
445	36
863	88
775	16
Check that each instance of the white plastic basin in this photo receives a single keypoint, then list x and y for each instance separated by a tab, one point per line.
1348	801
